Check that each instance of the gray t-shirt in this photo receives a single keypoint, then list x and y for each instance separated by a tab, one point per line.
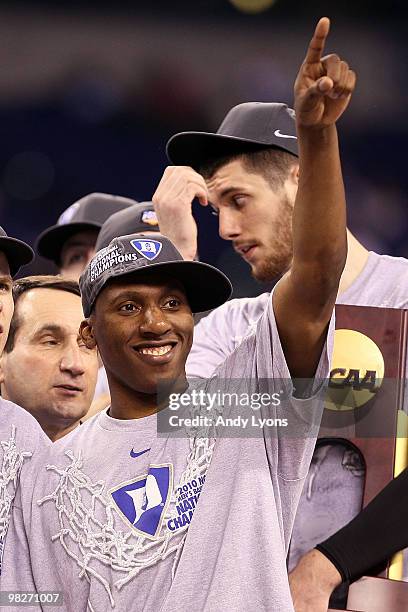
336	474
21	438
123	518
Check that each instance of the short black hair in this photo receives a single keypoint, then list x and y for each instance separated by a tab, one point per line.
271	163
23	285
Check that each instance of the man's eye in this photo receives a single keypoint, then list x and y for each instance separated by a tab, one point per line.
128	308
50	342
173	303
5	287
238	201
76	258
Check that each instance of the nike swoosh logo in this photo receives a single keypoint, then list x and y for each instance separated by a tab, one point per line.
279	135
134	454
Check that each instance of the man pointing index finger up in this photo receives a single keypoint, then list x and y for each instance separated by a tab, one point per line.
324	85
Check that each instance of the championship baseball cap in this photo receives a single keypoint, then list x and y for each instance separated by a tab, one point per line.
18	253
247	127
90	212
206	287
135	219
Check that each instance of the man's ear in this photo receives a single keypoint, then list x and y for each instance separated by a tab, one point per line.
86	333
292	183
294	173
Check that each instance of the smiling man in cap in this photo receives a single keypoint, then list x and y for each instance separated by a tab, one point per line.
139	218
70	244
141	519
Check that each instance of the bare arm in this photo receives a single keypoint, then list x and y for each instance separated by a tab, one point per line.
312	582
305	297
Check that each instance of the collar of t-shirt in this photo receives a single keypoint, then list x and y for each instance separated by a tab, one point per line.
143	431
145	425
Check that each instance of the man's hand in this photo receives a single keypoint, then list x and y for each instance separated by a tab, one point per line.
312	582
173	205
324	85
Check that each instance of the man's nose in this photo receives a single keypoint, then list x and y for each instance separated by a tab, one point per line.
154	322
229	228
72	360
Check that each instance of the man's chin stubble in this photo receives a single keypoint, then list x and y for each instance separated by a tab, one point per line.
271	270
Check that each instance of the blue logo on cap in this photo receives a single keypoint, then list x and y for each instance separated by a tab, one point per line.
143	501
148	248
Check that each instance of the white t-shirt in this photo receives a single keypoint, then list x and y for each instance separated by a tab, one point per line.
125	519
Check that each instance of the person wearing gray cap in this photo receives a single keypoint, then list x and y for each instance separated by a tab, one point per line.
248	171
136	480
70	243
20	435
144	513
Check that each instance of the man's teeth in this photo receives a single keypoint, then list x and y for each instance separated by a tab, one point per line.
156	350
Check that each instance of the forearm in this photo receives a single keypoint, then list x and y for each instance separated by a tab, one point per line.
378	532
319	218
312	582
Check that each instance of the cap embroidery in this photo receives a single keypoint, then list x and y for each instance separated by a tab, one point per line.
149	217
150	249
106	258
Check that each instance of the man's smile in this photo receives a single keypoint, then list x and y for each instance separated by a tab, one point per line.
156	353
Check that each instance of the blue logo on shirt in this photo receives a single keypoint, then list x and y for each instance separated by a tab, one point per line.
143	502
148	248
134	454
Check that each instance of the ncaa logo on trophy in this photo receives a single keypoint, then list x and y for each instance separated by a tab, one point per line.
357	371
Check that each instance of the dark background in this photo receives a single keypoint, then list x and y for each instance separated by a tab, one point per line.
90	92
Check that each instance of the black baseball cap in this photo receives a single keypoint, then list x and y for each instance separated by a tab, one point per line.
206	287
18	253
90	212
251	126
135	219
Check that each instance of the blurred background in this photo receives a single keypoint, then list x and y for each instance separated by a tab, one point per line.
90	92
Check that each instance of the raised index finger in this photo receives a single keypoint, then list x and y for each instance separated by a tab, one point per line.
316	45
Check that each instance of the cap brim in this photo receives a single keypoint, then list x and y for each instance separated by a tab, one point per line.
18	253
206	287
50	242
194	148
